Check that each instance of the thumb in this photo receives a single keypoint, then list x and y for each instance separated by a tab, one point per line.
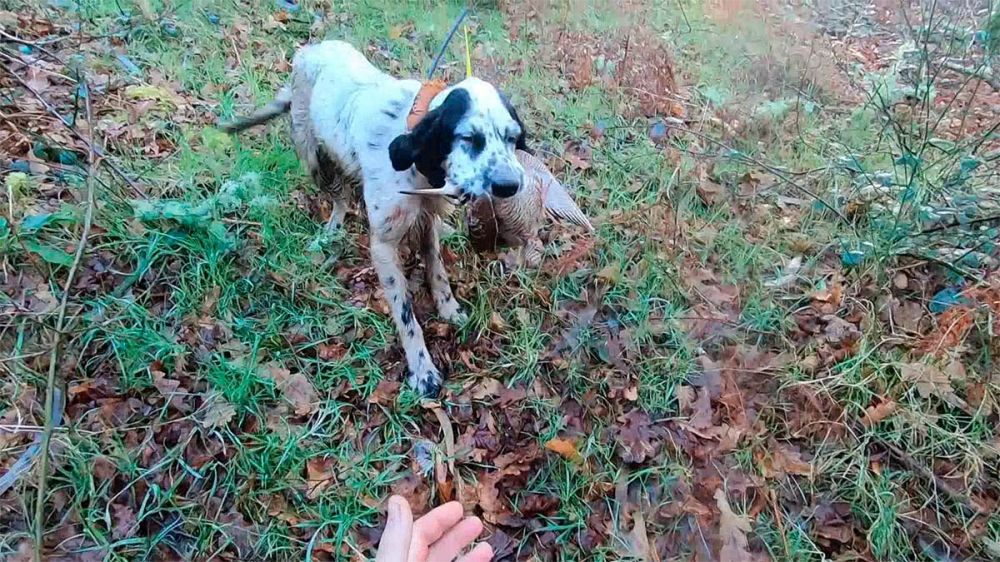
395	543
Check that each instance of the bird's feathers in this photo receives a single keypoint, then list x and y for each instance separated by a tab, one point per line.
481	219
555	199
516	220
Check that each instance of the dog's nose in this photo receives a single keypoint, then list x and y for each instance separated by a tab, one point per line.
505	181
505	188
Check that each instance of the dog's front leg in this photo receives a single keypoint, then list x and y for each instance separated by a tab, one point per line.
437	277
423	375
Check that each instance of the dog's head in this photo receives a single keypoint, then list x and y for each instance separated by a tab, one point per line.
468	139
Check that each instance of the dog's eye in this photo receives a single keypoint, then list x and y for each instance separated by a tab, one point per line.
476	140
512	139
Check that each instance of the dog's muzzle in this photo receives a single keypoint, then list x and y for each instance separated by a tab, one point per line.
505	180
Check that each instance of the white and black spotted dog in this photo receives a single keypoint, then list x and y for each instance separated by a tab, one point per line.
350	126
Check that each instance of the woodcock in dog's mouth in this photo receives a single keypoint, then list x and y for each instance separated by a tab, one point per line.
516	220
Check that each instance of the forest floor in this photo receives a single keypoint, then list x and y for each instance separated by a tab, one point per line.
780	343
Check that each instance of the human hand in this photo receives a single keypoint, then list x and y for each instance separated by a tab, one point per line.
438	536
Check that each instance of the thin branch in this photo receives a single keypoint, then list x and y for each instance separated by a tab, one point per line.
50	384
958	224
12	39
983	74
32	64
971	505
55	113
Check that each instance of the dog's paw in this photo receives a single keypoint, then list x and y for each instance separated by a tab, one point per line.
450	311
456	317
426	382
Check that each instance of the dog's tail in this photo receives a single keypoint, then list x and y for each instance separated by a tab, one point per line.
280	105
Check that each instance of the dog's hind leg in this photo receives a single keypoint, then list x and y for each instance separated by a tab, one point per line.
330	177
327	174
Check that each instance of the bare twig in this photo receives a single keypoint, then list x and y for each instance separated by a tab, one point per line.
971	504
90	146
32	64
958	224
12	39
983	74
50	383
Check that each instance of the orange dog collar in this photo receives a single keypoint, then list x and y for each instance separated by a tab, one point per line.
426	93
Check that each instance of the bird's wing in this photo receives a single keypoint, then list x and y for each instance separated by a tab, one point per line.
556	200
560	205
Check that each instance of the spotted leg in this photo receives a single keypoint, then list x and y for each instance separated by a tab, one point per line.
437	277
423	375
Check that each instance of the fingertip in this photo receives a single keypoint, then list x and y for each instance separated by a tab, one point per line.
482	553
475	523
398	510
449	513
395	542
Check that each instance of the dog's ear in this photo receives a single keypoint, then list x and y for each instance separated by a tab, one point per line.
522	139
428	144
401	152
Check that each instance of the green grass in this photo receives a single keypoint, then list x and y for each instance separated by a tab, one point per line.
245	278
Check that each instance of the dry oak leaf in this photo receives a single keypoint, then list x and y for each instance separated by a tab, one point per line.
319	475
878	412
217	412
565	448
932	380
701	415
784	459
635	436
710	192
170	389
296	389
733	531
124	522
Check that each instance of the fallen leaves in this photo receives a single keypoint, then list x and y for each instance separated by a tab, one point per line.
615	405
565	449
978	305
217	412
929	380
169	388
710	193
878	412
636	437
296	388
733	531
566	262
782	459
512	469
124	522
578	155
320	474
636	541
831	522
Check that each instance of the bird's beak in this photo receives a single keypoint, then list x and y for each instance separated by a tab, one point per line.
456	194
